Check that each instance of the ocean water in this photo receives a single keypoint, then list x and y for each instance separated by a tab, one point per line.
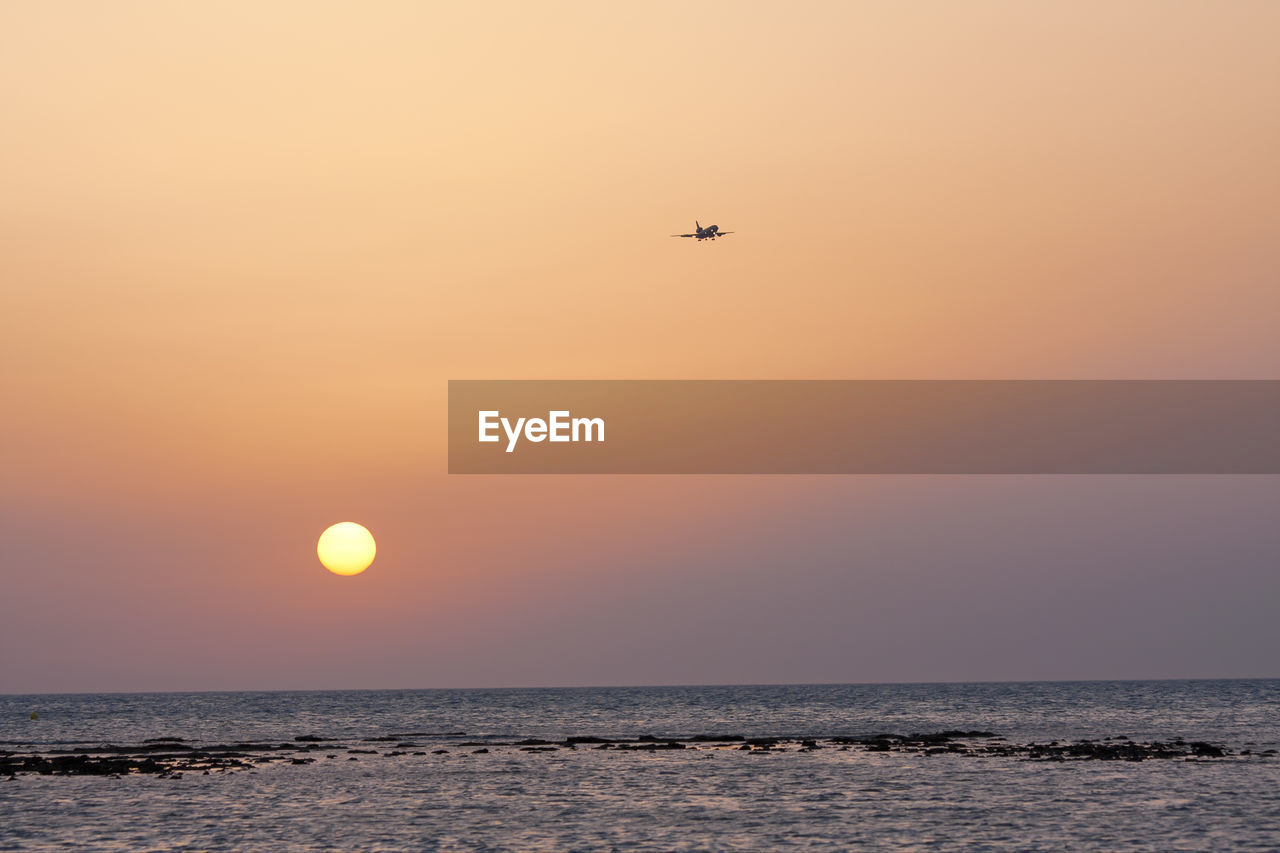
445	796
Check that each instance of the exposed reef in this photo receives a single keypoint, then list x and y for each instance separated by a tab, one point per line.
171	757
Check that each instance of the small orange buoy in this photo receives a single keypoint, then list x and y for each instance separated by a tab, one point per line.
34	715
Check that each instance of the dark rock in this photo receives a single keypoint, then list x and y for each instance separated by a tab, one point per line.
85	764
927	739
170	757
152	746
570	741
244	747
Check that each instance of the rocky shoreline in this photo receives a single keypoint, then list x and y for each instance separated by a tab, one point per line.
172	757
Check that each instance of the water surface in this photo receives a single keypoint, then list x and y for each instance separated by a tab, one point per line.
713	799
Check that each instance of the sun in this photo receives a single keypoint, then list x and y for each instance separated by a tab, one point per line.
346	548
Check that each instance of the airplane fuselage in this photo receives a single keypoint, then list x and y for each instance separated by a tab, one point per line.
711	232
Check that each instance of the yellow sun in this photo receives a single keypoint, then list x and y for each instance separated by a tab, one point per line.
346	548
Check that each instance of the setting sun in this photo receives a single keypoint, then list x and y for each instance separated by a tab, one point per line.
346	548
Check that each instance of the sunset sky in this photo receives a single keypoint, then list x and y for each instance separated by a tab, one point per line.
244	246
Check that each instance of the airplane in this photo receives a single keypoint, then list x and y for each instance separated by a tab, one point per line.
709	233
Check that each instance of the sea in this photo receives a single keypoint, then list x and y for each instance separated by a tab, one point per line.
440	793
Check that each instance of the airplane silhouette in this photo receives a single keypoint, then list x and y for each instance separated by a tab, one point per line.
709	233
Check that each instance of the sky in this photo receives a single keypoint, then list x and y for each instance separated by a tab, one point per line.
244	246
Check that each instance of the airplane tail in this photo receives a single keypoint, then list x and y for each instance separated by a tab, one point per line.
696	225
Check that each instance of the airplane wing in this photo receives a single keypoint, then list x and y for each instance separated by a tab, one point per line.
684	235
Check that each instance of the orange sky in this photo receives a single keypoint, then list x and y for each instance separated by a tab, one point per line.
244	246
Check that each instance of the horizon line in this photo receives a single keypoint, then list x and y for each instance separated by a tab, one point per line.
646	686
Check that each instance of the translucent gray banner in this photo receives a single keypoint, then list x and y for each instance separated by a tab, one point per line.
864	427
